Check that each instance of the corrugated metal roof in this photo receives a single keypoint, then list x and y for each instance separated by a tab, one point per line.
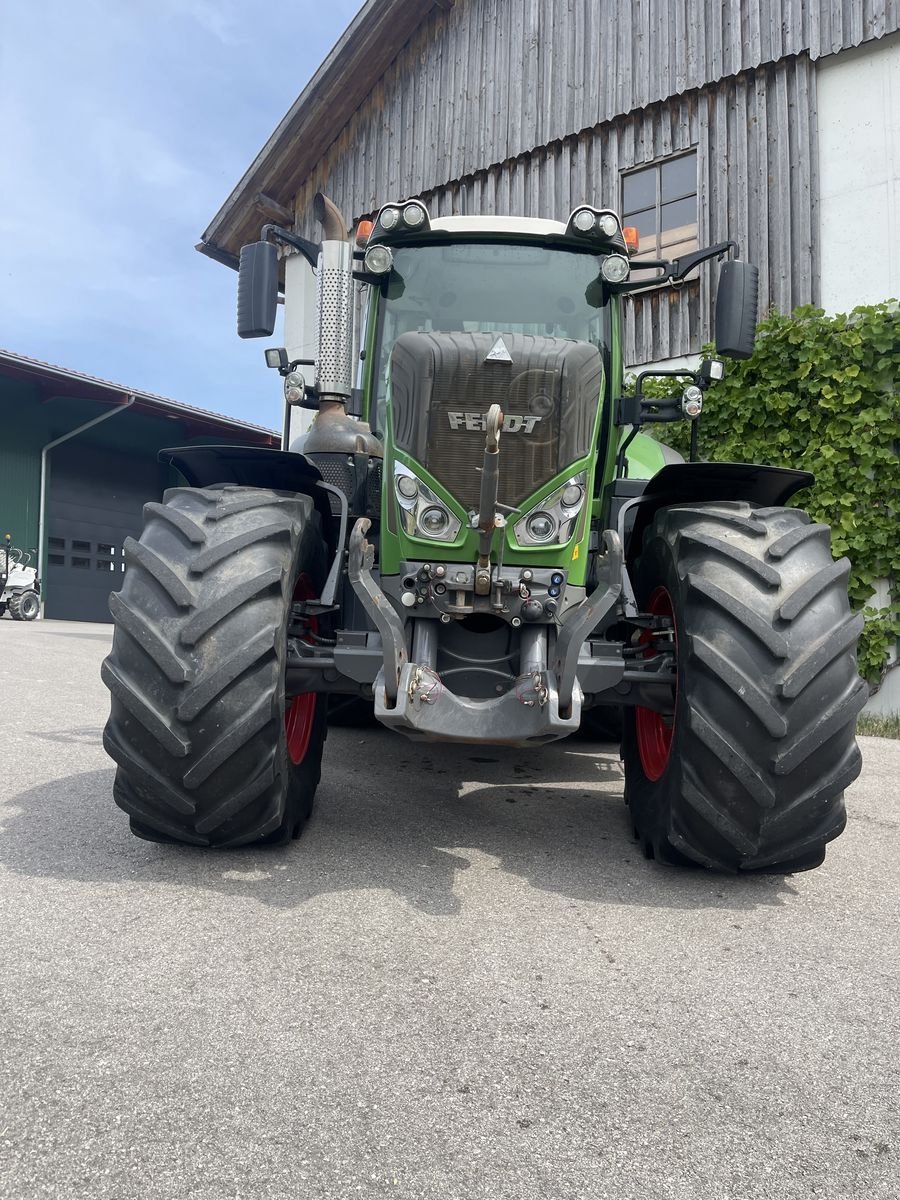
36	367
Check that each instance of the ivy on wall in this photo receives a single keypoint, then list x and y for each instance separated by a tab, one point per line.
822	393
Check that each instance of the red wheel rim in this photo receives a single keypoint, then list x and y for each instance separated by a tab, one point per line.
655	731
300	711
298	724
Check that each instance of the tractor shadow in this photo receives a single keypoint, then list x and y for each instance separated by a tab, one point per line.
392	815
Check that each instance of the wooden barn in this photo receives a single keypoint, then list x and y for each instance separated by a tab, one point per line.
772	122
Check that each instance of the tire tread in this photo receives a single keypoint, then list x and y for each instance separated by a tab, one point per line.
196	672
768	689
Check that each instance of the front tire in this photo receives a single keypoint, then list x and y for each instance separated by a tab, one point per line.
750	774
209	751
24	606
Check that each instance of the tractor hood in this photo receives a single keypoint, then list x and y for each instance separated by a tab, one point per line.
442	385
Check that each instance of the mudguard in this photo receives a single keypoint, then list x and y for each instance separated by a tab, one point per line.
696	483
250	466
280	470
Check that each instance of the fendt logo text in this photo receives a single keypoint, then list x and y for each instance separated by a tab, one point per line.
477	422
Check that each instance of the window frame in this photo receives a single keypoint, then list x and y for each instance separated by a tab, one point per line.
656	165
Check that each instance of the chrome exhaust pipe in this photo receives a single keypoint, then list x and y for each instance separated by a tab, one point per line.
334	288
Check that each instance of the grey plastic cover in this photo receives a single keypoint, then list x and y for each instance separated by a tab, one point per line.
257	297
737	307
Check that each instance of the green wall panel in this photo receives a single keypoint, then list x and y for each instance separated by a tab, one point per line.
23	430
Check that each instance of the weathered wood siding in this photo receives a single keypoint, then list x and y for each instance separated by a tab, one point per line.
490	80
531	107
756	164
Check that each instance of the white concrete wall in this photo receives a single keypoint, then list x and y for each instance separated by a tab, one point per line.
859	175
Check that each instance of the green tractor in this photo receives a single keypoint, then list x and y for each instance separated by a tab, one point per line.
474	537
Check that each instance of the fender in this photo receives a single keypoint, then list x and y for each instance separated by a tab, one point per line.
702	482
258	466
250	466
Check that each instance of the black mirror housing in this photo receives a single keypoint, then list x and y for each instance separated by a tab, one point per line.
257	299
737	308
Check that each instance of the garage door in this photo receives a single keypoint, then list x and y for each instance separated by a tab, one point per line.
95	502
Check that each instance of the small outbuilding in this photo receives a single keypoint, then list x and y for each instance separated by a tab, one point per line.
78	461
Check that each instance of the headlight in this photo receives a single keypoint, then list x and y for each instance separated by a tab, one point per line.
422	513
615	268
434	521
389	217
553	520
378	260
608	225
541	527
584	220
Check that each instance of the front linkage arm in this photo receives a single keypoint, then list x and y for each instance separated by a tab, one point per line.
589	613
359	571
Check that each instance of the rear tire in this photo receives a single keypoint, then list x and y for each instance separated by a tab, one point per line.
197	669
24	606
752	774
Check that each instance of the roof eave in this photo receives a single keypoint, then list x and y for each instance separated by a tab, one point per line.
359	58
23	365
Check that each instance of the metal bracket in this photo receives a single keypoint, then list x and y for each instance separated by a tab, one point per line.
378	606
325	603
309	250
581	620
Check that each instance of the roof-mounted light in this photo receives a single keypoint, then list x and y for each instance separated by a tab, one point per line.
414	215
409	217
632	237
596	224
389	218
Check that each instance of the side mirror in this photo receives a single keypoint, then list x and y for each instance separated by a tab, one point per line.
737	306
257	298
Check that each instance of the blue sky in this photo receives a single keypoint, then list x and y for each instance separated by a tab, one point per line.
124	126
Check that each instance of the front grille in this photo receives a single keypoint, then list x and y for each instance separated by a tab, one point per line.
336	469
363	493
442	383
373	488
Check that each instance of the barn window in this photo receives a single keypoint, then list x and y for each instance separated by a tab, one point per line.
661	201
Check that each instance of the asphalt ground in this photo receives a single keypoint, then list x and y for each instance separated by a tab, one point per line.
464	981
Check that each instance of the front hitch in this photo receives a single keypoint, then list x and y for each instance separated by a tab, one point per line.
487	501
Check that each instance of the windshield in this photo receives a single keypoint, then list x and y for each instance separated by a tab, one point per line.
479	287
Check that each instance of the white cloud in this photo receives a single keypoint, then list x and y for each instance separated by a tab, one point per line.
217	19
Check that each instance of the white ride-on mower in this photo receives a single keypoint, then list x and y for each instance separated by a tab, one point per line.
20	588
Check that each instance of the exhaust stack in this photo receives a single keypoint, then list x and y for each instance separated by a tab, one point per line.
334	353
333	431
